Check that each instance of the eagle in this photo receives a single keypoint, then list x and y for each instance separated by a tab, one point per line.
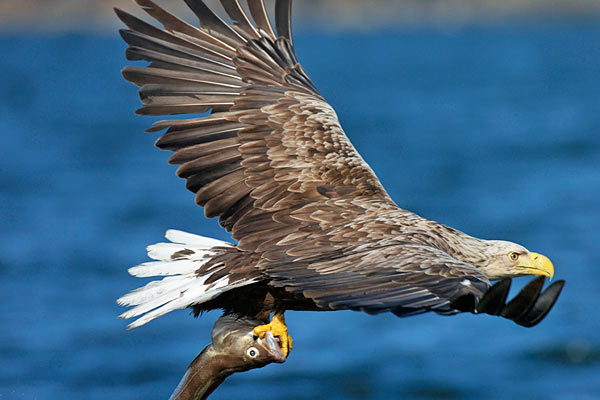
314	228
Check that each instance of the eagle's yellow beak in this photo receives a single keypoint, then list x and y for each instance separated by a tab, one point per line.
538	265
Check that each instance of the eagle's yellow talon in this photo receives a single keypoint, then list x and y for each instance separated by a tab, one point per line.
278	328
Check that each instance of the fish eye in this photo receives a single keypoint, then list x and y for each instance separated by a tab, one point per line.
252	352
514	256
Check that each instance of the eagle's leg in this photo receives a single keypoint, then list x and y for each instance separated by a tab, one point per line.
279	329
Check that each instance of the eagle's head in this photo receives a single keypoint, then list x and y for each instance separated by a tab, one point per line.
507	260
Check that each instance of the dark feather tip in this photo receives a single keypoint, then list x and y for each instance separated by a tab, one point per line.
524	300
494	299
542	306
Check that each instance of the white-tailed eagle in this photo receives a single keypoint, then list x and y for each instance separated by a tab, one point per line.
315	229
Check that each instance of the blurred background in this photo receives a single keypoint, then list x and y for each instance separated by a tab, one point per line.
483	115
60	15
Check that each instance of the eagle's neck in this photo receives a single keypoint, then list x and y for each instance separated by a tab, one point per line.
461	246
457	244
389	220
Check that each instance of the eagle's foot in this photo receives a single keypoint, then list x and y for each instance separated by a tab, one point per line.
279	329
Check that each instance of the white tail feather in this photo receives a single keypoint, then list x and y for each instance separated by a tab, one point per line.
151	291
201	242
192	294
157	268
182	287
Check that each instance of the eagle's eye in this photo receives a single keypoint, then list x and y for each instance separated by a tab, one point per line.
514	256
252	352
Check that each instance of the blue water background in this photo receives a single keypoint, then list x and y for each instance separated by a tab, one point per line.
492	130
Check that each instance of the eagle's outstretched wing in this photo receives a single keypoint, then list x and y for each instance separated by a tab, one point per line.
268	157
268	142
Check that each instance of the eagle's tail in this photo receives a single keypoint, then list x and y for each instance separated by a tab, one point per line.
186	283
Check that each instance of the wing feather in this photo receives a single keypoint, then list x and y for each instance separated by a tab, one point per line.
283	19
405	277
215	25
259	14
235	12
146	34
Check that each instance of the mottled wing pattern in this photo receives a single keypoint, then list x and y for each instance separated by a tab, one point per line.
402	278
270	159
